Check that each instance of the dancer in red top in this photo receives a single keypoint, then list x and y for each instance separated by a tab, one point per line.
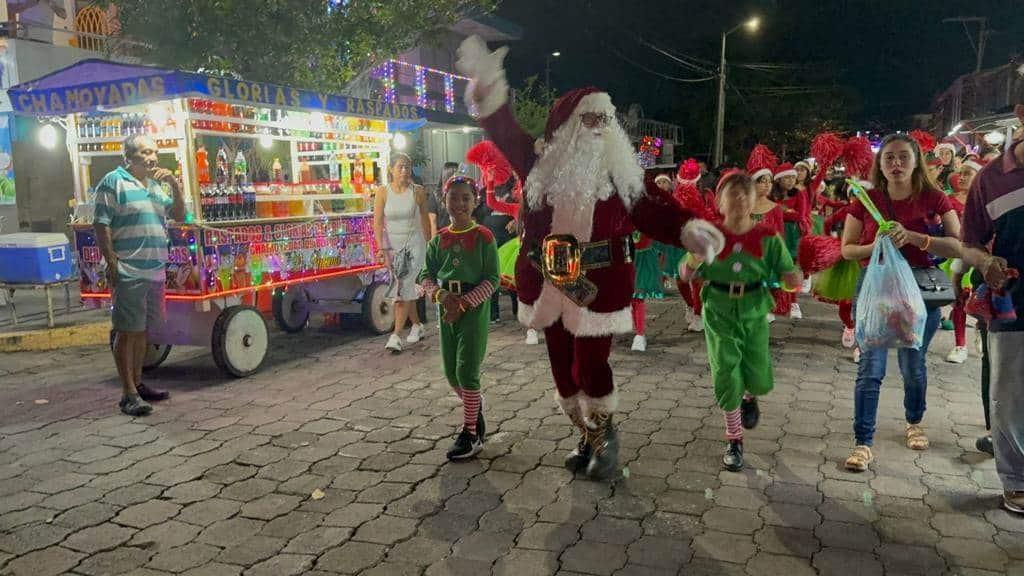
961	184
761	166
702	202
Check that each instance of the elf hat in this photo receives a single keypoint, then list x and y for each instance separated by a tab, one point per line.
783	170
762	162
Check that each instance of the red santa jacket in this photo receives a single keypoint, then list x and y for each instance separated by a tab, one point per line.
655	214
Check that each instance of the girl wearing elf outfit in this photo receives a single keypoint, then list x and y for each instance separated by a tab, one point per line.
961	183
460	276
689	195
736	306
648	285
669	256
796	216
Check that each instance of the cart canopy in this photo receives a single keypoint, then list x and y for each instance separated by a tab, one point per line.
98	85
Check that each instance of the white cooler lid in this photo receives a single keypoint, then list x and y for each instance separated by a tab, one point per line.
33	240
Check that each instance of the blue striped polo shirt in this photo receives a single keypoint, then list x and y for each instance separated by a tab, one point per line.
136	215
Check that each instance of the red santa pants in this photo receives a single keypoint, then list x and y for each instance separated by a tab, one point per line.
579	364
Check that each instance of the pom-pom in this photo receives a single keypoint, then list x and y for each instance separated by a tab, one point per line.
761	157
857	156
817	253
826	148
491	162
924	139
689	170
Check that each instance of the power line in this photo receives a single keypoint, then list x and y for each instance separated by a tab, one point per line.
681	59
659	74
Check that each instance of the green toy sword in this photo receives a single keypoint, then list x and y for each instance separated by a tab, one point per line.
862	195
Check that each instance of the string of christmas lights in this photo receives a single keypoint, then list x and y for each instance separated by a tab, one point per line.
421	86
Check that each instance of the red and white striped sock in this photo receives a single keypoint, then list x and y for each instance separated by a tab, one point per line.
458	392
470	409
733	425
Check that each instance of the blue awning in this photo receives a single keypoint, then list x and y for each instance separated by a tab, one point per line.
96	85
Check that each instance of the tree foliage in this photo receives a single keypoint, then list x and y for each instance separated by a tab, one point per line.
318	44
531	105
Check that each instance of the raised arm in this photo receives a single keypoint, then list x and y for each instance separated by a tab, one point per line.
658	215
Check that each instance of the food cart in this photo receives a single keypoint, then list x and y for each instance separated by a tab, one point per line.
278	184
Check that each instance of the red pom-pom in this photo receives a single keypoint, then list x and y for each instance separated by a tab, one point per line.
924	139
857	156
689	170
761	157
487	157
817	253
826	148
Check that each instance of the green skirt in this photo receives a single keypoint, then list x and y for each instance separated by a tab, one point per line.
673	256
507	255
838	283
817	224
648	274
792	238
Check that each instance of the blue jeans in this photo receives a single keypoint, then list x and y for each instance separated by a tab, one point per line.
871	372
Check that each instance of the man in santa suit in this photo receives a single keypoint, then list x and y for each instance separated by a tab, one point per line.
584	196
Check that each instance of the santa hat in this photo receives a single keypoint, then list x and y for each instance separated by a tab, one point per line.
807	163
783	170
689	171
975	163
575	103
945	146
762	162
725	176
663	178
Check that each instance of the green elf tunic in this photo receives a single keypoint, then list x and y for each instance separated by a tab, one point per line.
736	325
671	257
469	257
648	268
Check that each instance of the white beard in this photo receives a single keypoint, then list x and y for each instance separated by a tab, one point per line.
580	167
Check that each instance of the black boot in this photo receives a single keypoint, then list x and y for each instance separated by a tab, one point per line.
578	459
984	444
481	426
733	459
604	462
750	414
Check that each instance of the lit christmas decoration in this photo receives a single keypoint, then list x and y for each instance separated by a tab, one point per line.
449	93
389	81
421	86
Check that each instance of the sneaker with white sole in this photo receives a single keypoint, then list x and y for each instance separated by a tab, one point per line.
795	312
1013	500
466	446
771	318
979	346
696	324
394	344
805	288
849	337
415	334
532	339
639	343
856	355
957	355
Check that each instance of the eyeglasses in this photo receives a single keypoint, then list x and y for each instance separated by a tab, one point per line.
595	119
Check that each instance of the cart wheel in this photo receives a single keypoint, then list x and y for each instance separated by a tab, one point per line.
155	353
291	309
377	313
239	340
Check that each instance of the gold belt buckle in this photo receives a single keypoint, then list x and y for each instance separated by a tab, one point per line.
562	258
737	290
455	287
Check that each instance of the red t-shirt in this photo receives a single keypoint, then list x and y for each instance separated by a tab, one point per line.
917	214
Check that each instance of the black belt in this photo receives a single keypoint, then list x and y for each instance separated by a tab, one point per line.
600	254
736	289
457	288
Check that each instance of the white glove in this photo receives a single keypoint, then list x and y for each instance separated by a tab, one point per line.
703	238
488	88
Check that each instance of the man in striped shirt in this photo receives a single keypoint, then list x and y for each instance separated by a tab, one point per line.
131	232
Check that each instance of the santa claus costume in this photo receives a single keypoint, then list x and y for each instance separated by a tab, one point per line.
584	196
701	202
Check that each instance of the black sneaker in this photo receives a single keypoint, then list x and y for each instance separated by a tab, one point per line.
151	394
466	446
984	444
750	414
481	426
135	406
733	459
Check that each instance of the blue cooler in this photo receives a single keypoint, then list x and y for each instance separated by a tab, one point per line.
34	258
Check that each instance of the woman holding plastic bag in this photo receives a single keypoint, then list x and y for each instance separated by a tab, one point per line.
896	214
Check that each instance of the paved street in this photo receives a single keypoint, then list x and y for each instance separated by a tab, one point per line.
331	460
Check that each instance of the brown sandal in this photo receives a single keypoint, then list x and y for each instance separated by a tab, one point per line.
859	459
916	438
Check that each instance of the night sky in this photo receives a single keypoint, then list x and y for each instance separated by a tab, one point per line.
892	56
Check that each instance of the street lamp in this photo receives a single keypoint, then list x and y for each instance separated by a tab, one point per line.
751	25
547	67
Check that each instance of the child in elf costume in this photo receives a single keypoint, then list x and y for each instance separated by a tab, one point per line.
736	305
689	195
460	276
648	285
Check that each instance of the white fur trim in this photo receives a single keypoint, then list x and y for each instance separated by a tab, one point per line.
947	146
758	173
484	68
603	405
807	166
662	177
973	164
538	146
784	173
702	238
570	405
553	306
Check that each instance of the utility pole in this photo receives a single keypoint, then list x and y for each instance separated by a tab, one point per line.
720	115
983	32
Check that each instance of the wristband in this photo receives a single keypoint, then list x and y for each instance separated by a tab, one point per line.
927	243
439	295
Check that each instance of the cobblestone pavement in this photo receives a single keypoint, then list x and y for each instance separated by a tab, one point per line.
220	479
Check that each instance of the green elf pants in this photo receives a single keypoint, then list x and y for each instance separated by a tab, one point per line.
464	345
737	337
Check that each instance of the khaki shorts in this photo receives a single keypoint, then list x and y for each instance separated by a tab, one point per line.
138	305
